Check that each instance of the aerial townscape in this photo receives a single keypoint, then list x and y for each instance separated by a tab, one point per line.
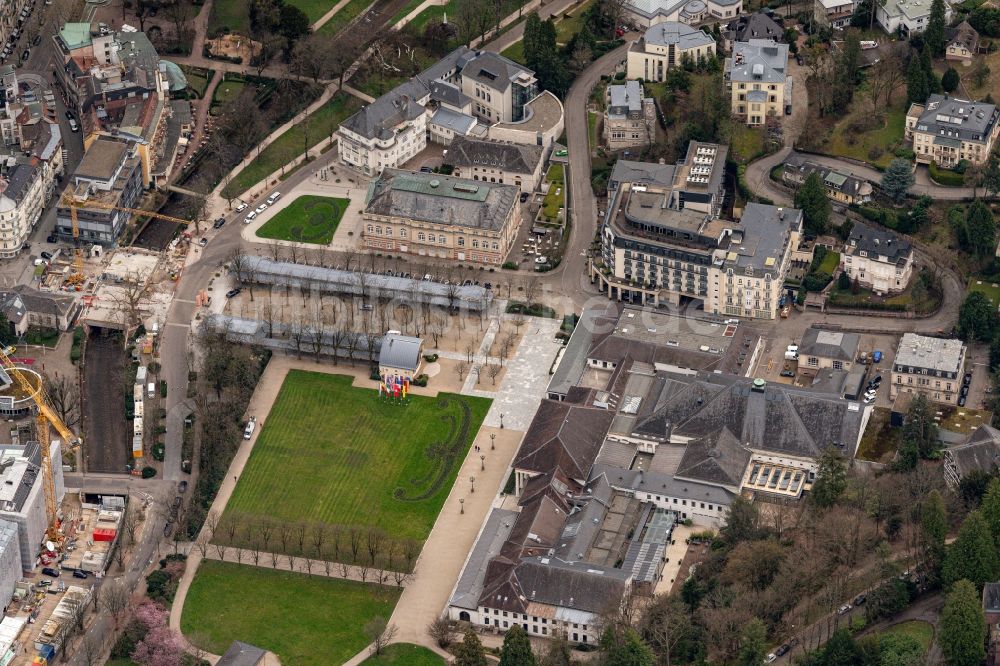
516	332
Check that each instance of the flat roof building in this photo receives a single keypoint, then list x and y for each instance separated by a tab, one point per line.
931	366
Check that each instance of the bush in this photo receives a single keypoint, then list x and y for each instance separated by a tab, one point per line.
154	367
420	380
431	358
163	388
946	177
509	265
148	472
816	281
532	310
159	452
123	648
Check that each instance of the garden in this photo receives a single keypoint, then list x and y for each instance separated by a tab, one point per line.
320	125
335	455
555	197
290	614
307	219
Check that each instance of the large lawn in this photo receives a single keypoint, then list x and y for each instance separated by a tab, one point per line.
989	288
335	454
859	145
302	619
234	14
405	654
320	125
308	219
922	631
346	14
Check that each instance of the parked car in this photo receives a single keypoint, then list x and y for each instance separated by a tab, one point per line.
249	218
965	392
242	207
961	401
877	356
844	609
251	426
219	222
967	379
182	487
783	650
49	571
44	583
203	241
274	197
860	599
787	373
73	127
45	255
869	399
69	115
524	196
771	658
80	573
426	169
232	293
261	208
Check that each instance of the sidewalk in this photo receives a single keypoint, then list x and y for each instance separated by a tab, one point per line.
306	565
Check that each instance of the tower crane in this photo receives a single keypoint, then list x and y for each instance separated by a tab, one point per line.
46	417
72	201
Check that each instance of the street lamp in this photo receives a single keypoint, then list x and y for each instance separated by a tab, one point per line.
472	482
482	459
461	503
493	437
501	420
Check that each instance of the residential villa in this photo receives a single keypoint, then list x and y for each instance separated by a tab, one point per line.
931	366
841	187
665	46
757	80
948	130
962	42
629	117
878	258
646	13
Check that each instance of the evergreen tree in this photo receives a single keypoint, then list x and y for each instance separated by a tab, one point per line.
976	317
963	628
934	530
753	644
973	555
841	650
625	648
920	432
532	26
934	33
516	650
917	90
950	80
990	508
982	229
811	200
831	478
844	281
897	179
470	651
995	353
927	63
991	175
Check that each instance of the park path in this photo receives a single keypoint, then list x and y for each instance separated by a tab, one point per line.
333	10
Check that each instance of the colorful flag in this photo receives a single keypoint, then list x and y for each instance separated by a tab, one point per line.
396	390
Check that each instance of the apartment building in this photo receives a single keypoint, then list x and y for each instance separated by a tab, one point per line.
880	259
22	200
841	187
907	17
432	215
503	163
498	87
947	130
757	80
931	366
665	46
109	176
646	13
629	117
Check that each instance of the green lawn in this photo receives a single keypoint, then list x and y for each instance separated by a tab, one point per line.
234	14
435	14
331	453
592	120
830	262
407	8
289	145
571	24
347	13
302	619
746	143
197	78
308	219
556	194
988	287
922	631
227	91
858	145
515	52
405	654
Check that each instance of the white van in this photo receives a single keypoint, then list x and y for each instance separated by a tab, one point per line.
249	218
251	426
274	197
151	390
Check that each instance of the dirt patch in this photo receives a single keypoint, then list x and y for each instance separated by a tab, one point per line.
106	446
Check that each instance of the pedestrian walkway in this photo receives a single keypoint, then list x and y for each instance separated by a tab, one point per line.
304	565
329	15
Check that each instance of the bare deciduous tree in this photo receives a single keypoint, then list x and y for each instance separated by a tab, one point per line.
380	633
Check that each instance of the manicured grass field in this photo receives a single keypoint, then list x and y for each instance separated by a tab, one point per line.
197	78
227	91
308	219
346	14
302	619
405	654
989	288
830	262
336	454
402	13
289	145
556	194
922	631
515	52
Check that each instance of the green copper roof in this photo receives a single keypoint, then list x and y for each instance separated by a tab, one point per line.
75	35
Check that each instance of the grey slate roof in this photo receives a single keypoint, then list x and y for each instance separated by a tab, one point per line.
400	351
494	70
515	158
981	451
459	123
835	345
563	436
19	179
588	588
492	536
651	8
758	61
754	26
574	358
779	418
958	118
401	103
678	34
766	233
963	34
877	241
798	169
448	93
717	458
439	199
242	654
22	297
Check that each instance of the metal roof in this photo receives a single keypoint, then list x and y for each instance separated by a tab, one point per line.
400	351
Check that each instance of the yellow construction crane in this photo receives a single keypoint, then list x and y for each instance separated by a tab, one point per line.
46	416
71	202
